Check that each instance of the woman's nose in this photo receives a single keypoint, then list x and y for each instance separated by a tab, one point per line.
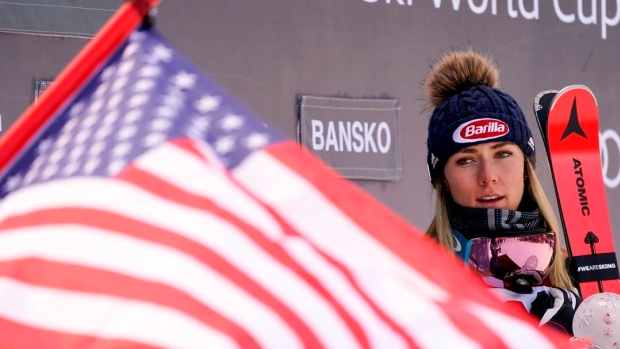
487	173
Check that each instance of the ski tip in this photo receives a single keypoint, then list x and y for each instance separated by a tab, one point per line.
538	100
569	88
542	93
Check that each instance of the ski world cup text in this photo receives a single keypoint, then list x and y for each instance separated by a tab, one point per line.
603	13
347	136
581	187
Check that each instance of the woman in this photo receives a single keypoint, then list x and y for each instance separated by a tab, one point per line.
490	207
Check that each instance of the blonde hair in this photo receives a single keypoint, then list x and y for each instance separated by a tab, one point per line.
441	231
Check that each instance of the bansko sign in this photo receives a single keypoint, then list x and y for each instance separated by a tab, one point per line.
357	137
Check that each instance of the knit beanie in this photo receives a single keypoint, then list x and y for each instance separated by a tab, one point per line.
468	108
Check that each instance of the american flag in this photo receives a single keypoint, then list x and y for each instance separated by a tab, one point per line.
154	211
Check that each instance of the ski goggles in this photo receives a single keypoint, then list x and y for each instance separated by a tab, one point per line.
516	257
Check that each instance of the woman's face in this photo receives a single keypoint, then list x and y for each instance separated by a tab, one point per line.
487	175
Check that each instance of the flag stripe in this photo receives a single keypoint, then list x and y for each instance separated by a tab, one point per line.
465	320
295	253
350	279
281	195
222	248
291	188
139	229
87	246
281	250
280	202
179	164
104	196
291	196
15	335
134	228
396	236
77	278
82	314
515	333
113	195
126	207
156	167
205	181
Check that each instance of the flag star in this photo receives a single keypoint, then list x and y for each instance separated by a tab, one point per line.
162	53
144	85
70	168
136	36
207	104
12	183
96	148
138	100
154	139
57	155
82	136
101	90
256	140
76	152
63	140
133	116
127	132
115	100
90	120
224	145
49	171
91	165
173	101
103	132
110	117
30	176
195	133
44	146
200	123
231	122
131	49
119	83
150	71
166	112
96	105
161	124
125	68
184	80
116	166
37	163
108	72
121	149
77	109
70	124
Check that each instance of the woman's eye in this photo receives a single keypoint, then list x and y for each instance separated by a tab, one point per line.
463	161
504	154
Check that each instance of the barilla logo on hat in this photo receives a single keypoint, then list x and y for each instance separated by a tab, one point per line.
480	130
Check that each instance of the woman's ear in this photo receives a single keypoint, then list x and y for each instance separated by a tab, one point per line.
446	186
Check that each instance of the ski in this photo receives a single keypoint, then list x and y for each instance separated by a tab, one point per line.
542	102
569	123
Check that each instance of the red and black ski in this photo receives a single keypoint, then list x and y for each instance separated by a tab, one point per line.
570	126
